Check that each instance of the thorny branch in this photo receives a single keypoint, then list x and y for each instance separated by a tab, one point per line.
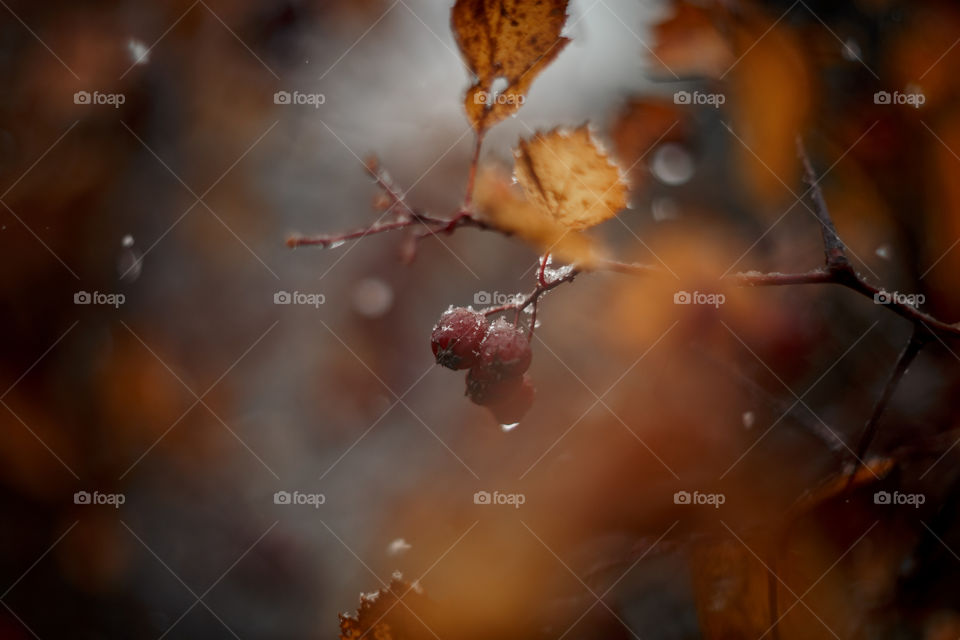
836	270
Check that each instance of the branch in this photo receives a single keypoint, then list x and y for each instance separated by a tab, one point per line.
834	249
544	284
917	340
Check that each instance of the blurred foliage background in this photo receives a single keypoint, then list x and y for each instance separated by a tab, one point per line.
199	398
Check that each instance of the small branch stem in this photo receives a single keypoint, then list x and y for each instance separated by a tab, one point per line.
833	247
917	340
472	176
534	296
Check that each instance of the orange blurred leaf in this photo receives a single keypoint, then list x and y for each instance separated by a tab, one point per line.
504	207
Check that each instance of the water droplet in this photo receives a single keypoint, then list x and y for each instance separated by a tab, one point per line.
665	209
507	428
398	547
129	261
372	297
749	419
335	244
851	50
883	251
139	52
672	164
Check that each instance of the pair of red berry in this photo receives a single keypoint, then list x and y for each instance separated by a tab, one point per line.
497	355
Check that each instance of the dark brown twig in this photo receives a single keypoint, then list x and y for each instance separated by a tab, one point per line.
917	340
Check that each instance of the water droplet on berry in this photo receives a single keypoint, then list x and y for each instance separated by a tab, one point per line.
507	428
883	251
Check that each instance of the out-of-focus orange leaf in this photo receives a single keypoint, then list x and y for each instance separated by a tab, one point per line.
641	124
871	471
688	43
771	93
510	39
730	587
570	178
923	57
502	206
769	87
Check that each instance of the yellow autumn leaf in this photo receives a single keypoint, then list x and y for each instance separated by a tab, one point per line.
570	178
502	205
509	39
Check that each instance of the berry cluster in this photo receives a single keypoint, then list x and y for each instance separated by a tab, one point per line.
497	355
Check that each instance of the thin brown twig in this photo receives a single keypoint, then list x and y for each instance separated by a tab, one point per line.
917	340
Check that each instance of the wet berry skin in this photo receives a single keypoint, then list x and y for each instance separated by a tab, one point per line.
457	337
484	387
505	351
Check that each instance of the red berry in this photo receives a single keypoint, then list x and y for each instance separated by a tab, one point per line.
514	403
505	351
456	338
484	387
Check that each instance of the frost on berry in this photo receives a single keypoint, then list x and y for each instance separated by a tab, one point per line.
505	351
456	338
